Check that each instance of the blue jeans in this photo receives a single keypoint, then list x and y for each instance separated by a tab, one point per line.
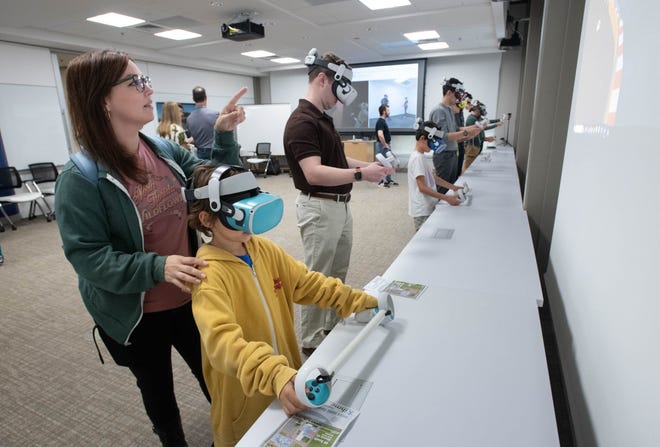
204	152
381	150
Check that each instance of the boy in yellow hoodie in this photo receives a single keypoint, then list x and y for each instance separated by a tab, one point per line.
244	307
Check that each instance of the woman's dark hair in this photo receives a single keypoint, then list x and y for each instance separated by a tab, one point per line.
89	80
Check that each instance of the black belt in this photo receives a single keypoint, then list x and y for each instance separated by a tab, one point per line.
329	196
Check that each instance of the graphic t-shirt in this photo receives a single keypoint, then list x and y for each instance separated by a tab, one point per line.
164	223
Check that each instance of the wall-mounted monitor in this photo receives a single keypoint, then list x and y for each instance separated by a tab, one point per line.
400	84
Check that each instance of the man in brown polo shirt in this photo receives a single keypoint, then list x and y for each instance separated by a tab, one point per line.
324	176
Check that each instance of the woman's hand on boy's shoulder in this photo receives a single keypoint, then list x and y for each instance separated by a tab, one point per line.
182	270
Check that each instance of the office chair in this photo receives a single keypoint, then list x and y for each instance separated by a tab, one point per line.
43	180
10	180
262	155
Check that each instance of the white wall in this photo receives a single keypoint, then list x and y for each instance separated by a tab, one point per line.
479	73
28	84
603	282
287	87
30	114
31	117
173	83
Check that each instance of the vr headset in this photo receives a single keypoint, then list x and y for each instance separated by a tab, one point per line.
341	87
458	89
481	106
433	136
238	201
464	101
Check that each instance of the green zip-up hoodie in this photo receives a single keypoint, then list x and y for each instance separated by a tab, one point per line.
102	239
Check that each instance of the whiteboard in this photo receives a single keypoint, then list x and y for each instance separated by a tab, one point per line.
32	125
264	123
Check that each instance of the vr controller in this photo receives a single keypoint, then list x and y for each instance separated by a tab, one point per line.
464	193
390	161
482	124
313	383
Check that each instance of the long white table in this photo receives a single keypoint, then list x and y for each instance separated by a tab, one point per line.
490	250
464	364
455	368
494	179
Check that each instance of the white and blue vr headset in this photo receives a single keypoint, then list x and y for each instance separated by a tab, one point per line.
341	87
434	136
238	201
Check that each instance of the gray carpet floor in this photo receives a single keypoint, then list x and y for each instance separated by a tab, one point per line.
55	392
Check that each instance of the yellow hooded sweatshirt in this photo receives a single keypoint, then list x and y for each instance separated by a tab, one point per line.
245	318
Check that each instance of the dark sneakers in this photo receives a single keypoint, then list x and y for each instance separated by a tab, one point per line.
385	184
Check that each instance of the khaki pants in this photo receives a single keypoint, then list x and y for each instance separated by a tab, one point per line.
471	154
326	228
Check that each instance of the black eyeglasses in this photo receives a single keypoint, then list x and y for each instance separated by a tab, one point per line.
140	82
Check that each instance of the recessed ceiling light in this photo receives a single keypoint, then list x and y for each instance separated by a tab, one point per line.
422	35
433	46
285	60
258	53
178	34
384	4
114	19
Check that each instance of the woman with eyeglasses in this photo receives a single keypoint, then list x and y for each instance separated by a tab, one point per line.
124	229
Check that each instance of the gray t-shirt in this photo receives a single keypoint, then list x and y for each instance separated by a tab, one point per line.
200	126
444	117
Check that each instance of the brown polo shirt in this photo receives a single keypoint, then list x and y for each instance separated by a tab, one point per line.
310	132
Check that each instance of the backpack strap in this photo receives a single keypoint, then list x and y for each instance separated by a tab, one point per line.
86	165
163	144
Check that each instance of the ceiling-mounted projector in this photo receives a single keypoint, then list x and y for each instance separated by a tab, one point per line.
240	31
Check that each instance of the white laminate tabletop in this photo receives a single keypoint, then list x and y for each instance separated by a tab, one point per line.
455	368
490	250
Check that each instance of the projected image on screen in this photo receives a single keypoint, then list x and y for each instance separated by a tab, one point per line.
395	84
599	82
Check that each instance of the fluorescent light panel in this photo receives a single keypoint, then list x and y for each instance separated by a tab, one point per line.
384	4
422	35
178	34
114	19
433	46
285	60
258	53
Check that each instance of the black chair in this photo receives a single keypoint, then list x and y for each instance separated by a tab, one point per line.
43	179
261	155
10	181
